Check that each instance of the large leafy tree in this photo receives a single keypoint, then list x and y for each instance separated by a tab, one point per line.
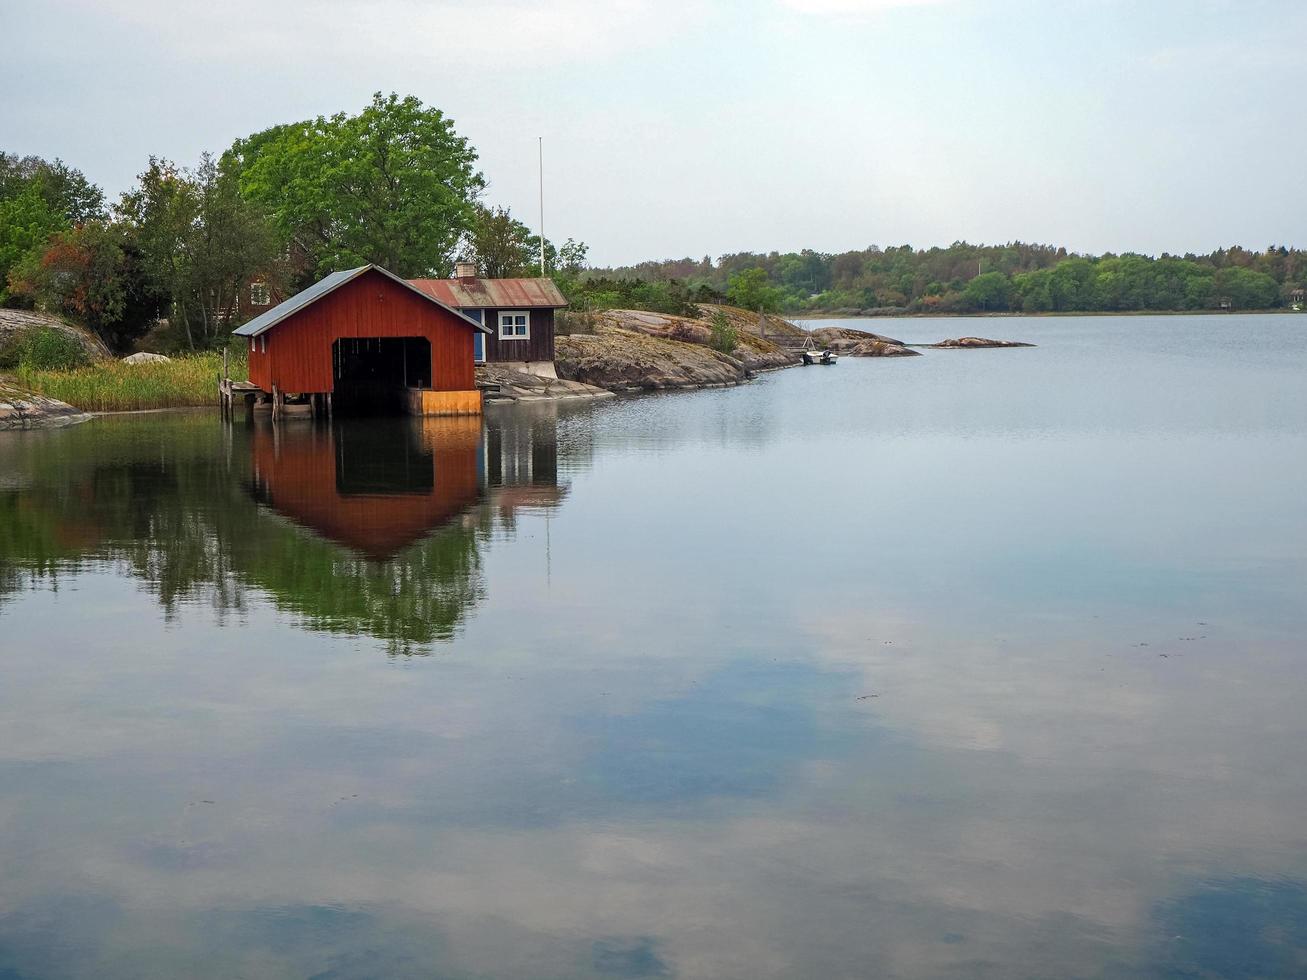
65	189
989	291
499	244
394	184
201	243
39	198
752	289
92	274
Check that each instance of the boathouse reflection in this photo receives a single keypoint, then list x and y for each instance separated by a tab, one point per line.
364	527
374	487
377	488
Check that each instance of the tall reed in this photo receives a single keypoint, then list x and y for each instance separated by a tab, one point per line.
112	386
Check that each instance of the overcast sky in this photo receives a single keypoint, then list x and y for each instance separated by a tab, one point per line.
676	128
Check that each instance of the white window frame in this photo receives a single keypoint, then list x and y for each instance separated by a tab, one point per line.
263	344
515	336
260	294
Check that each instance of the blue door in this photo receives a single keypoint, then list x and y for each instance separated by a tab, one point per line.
479	341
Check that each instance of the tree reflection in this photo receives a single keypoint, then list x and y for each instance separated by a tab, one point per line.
371	528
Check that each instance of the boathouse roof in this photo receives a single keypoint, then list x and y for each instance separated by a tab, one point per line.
306	297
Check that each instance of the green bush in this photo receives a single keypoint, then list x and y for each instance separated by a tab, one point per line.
11	352
725	338
570	322
46	349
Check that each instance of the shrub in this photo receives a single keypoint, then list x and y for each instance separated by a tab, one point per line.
724	337
570	322
48	349
11	352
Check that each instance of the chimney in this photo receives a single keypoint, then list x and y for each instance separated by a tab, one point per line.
465	272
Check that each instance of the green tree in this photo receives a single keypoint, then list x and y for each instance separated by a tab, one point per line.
37	199
82	273
498	243
752	290
65	189
1033	291
201	244
26	223
1246	289
393	185
572	256
990	291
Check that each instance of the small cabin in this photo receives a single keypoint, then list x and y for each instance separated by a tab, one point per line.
365	340
518	315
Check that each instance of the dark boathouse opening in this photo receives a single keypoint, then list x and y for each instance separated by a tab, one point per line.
372	374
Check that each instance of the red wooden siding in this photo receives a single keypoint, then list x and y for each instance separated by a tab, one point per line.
298	350
295	473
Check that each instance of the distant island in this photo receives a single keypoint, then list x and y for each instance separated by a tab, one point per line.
962	279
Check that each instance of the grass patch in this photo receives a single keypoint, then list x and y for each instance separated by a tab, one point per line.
112	386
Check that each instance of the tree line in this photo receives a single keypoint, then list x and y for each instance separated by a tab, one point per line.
392	184
965	278
395	184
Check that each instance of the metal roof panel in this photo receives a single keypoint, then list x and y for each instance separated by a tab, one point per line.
270	318
501	294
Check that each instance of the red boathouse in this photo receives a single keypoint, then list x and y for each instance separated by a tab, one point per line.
367	339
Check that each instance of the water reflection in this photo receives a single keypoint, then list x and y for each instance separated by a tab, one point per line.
960	667
363	527
374	488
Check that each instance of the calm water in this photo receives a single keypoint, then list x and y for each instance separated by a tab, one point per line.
977	664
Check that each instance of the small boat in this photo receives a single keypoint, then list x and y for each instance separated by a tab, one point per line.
820	357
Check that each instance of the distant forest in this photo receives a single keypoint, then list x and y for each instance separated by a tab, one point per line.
188	253
962	278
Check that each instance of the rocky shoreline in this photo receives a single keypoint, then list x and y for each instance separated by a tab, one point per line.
501	384
23	410
848	342
635	350
612	351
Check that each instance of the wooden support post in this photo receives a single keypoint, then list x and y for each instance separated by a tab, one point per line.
328	404
276	402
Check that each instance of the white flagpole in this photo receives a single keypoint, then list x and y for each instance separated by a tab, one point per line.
541	141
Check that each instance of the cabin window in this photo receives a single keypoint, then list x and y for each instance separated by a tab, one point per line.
253	342
259	295
514	325
263	345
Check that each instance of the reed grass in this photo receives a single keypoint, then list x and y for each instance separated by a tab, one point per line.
112	386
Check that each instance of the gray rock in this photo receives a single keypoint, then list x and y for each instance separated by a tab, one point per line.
15	323
20	410
968	343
